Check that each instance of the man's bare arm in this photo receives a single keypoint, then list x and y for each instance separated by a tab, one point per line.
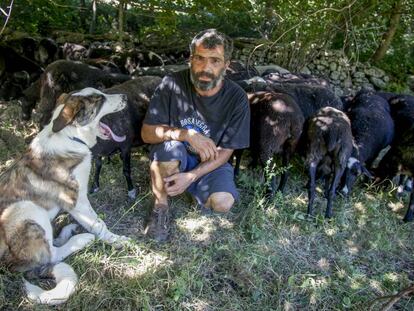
178	183
204	146
155	134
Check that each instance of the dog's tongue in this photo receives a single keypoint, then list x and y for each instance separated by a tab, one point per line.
113	136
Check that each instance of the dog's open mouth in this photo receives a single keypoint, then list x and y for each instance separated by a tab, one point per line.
109	134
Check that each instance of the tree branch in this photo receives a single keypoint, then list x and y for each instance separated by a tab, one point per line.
7	16
392	299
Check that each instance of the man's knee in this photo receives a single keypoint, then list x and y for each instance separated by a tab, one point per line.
220	202
165	169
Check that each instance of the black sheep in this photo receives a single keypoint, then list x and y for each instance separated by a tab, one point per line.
373	130
402	112
31	96
128	123
298	78
276	126
64	76
238	71
328	147
310	98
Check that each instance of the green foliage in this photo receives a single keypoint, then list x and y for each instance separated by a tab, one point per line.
43	16
298	28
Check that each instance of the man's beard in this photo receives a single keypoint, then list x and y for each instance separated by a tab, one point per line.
206	85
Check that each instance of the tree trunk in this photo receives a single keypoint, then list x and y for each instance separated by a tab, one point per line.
82	14
389	34
93	21
121	10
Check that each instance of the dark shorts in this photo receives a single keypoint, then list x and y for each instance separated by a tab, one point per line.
219	180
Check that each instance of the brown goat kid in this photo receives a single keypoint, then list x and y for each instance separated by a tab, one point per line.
329	145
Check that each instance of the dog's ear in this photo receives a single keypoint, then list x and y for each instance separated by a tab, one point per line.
66	115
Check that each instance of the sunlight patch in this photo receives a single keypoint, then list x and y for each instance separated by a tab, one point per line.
302	199
284	241
391	277
196	305
360	207
294	229
341	273
376	286
201	229
314	282
152	262
370	197
395	207
323	263
331	231
352	247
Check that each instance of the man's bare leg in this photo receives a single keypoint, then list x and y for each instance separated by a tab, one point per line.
157	226
220	202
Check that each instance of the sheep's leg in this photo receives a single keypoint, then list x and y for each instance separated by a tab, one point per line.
254	162
27	106
332	191
98	166
327	183
238	155
311	186
408	184
410	211
271	189
126	160
285	175
401	181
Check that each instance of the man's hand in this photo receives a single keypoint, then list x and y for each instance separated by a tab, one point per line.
178	183
203	145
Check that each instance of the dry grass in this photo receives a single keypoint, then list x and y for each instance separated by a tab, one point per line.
261	256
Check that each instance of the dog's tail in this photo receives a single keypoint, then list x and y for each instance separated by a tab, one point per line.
66	280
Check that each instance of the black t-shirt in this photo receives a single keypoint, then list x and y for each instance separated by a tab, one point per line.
223	117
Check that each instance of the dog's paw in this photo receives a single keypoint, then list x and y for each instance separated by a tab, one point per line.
117	241
84	239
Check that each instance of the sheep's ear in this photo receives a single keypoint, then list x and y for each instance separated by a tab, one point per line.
366	172
66	115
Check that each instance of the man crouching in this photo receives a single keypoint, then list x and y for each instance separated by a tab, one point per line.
195	120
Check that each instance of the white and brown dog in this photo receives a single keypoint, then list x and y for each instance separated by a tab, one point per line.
52	176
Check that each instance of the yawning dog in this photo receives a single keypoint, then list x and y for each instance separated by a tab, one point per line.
52	175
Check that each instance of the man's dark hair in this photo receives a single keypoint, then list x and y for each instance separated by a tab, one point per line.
210	38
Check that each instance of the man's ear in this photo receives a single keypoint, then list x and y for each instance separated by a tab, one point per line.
66	115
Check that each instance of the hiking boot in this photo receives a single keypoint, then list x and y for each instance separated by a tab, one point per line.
158	223
205	211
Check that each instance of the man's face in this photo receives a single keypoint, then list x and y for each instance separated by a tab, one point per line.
207	67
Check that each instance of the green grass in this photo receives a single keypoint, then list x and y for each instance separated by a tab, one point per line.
261	256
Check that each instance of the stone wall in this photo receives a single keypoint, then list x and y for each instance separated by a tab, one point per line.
346	76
